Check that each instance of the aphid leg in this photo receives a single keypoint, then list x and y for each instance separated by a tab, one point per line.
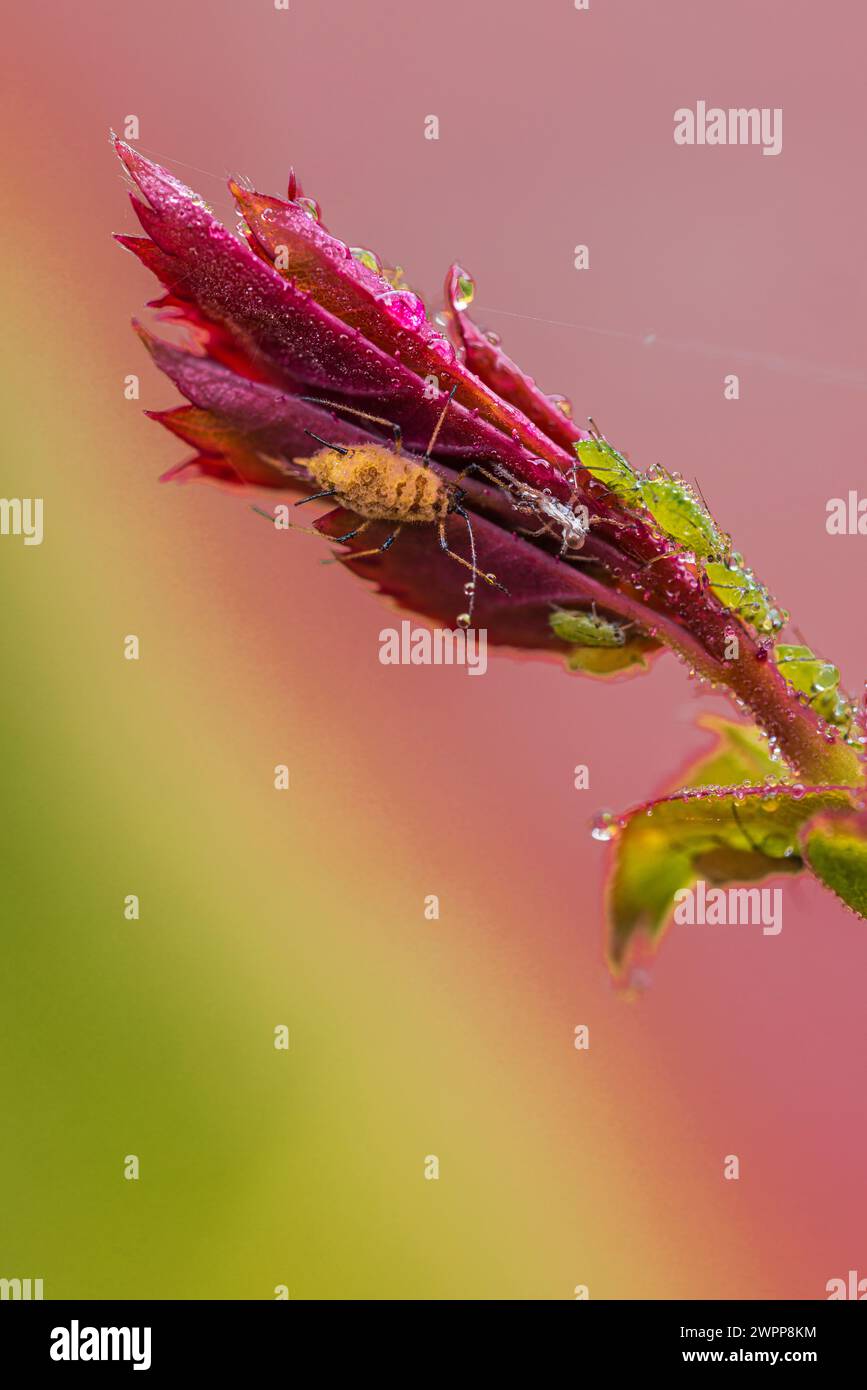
309	531
502	480
362	415
476	572
314	496
438	426
362	554
289	525
573	475
350	535
669	555
467	620
319	440
482	471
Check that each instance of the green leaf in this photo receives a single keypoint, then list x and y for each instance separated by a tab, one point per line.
732	821
835	848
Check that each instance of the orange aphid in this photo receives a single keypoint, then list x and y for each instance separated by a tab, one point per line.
380	483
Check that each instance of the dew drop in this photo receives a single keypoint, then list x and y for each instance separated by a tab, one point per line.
605	826
826	678
404	307
462	289
442	347
311	207
366	258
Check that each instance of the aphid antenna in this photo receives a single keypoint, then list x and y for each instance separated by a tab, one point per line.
361	414
438	426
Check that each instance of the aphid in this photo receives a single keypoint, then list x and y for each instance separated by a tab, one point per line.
569	522
817	679
585	629
683	517
604	463
671	502
381	483
741	592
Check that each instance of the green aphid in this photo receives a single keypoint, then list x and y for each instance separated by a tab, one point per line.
585	629
744	595
683	518
603	462
806	671
833	707
817	679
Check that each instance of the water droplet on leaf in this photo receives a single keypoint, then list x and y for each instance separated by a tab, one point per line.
366	258
462	290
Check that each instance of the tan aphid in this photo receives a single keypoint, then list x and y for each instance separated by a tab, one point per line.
380	483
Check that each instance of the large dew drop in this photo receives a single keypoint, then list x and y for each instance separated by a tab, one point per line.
405	308
462	290
367	258
561	403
